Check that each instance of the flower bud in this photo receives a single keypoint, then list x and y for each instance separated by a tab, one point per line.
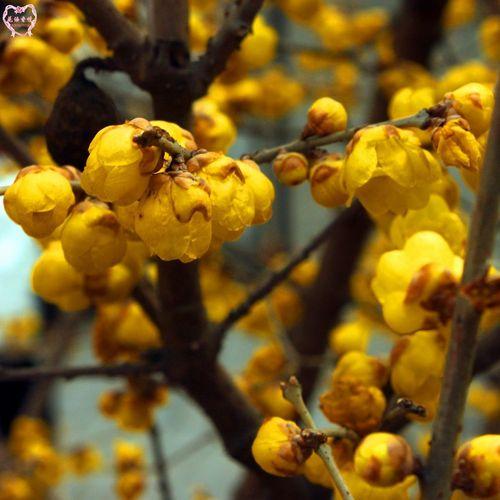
325	178
354	405
118	169
325	116
64	33
474	102
276	449
58	282
173	217
366	369
92	238
477	467
213	129
490	34
457	146
291	169
350	336
383	459
39	199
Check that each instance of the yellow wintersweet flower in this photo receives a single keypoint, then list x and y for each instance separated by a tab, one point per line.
417	363
333	27
351	336
65	33
447	188
474	102
490	37
368	370
408	101
291	168
57	282
130	466
471	177
462	74
457	146
262	189
388	171
39	199
325	116
406	278
92	238
300	11
367	24
128	456
122	331
325	178
84	460
276	450
383	459
118	170
200	30
126	217
485	399
477	467
233	206
435	216
173	217
354	405
459	12
213	129
404	74
15	487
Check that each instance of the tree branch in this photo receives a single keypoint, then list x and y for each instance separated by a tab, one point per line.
238	20
276	278
160	463
72	372
14	148
465	323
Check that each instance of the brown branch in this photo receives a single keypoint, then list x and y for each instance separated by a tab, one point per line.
465	323
487	352
15	149
160	463
276	278
72	372
120	34
238	20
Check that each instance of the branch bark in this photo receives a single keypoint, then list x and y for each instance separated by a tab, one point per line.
160	463
465	323
15	149
238	20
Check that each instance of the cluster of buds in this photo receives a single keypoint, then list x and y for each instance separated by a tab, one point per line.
130	469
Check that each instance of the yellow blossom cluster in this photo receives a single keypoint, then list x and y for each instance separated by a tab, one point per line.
130	470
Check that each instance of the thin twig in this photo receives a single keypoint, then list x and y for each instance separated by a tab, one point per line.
71	372
14	148
465	323
292	392
237	25
160	463
156	136
217	336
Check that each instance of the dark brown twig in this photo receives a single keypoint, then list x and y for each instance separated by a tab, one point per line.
465	323
160	463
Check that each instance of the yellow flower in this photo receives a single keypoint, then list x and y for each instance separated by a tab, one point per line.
233	206
471	177
58	282
173	217
368	370
408	101
333	28
404	74
130	485
291	169
200	30
435	216
276	450
367	24
213	129
92	238
300	10
475	103
118	170
130	466
406	278
179	134
417	363
259	48
447	188
387	170
354	405
325	178
126	217
457	146
262	189
325	116
459	12
15	487
128	456
462	74
122	331
485	399
64	33
351	336
490	37
383	459
39	199
477	467
84	460
305	273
